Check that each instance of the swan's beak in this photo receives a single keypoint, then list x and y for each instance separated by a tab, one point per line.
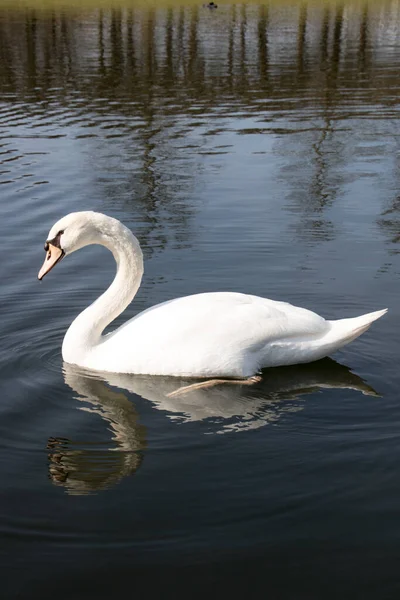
53	256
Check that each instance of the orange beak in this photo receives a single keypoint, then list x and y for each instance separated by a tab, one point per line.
53	256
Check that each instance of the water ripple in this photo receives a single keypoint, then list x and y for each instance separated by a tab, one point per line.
250	148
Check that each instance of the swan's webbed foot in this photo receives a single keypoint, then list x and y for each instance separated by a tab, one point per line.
212	382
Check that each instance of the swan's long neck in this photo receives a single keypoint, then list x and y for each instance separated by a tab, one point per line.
85	332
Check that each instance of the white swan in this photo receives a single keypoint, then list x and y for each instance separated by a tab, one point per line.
219	334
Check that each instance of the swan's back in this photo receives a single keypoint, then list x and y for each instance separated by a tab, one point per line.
210	333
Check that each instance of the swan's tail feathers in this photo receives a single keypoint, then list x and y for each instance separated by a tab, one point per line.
347	330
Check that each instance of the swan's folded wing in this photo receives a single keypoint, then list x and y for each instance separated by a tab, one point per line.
228	317
209	334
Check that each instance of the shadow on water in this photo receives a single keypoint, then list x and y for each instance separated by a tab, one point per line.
84	468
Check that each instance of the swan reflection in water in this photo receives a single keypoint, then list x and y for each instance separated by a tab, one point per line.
86	468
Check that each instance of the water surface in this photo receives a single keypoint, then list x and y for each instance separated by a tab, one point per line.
250	148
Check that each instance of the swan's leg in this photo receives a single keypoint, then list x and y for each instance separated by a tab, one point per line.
212	382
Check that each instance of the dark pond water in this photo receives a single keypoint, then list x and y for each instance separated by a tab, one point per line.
250	148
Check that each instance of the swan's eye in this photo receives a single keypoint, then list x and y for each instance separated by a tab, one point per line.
55	241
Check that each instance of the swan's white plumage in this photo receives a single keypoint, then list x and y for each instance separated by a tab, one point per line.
222	334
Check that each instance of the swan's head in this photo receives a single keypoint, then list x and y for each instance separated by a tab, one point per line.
72	232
